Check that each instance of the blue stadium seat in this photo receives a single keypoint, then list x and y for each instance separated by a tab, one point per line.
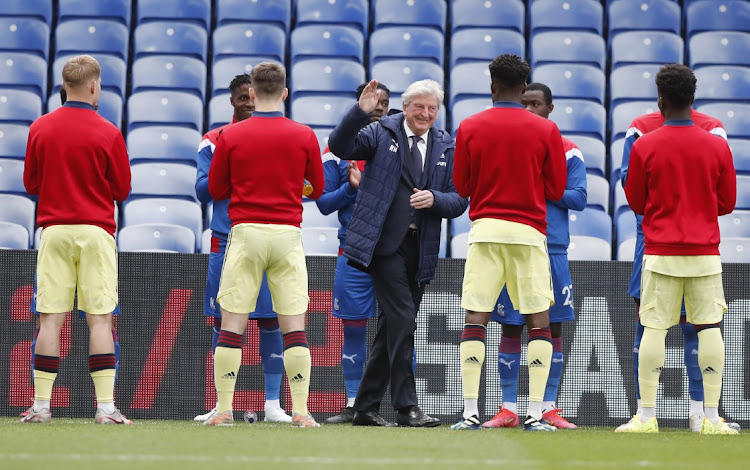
170	38
579	117
193	11
18	210
37	9
632	83
462	109
469	81
460	245
740	153
653	15
736	224
322	134
505	14
626	250
92	37
13	138
422	13
721	83
220	111
615	158
11	176
620	200
591	223
175	73
165	211
646	47
321	111
625	225
13	237
320	241
163	180
19	106
594	154
114	73
163	144
23	72
397	75
157	238
460	224
567	46
484	44
223	72
576	81
554	15
206	241
24	35
597	188
410	42
312	217
326	76
277	13
623	115
719	48
324	41
110	106
734	117
165	108
731	15
114	10
585	248
743	192
735	250
350	13
249	39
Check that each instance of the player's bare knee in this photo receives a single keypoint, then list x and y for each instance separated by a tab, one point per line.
233	322
537	320
477	318
289	323
512	331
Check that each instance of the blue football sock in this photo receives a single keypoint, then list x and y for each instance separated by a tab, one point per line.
508	365
271	355
555	371
353	354
636	348
695	376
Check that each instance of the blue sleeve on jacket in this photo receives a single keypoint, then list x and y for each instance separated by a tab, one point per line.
629	141
575	194
350	139
338	193
205	155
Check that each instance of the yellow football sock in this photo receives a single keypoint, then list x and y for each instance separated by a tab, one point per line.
104	385
472	359
711	361
43	382
226	367
539	360
297	364
650	364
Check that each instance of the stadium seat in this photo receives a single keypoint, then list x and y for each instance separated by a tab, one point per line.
469	81
397	75
13	139
277	13
460	224
620	200
206	241
320	241
162	210
647	47
583	248
322	134
736	224
350	13
465	108
163	180
722	83
320	110
460	245
110	106
326	76
23	72
652	15
625	226
727	15
626	250
176	73
24	35
224	71
623	115
443	250
484	44
579	117
253	39
597	188
171	38
591	223
734	117
735	250
743	192
312	217
615	158
114	73
220	111
156	238
576	81
11	176
422	13
326	41
13	237
505	14
18	210
92	37
567	46
37	9
407	43
165	108
19	106
740	153
555	15
632	83
113	10
594	154
193	11
719	48
166	144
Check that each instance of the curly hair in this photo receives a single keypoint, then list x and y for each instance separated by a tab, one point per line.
544	89
509	70
677	83
238	81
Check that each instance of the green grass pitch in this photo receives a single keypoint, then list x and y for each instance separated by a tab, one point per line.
79	444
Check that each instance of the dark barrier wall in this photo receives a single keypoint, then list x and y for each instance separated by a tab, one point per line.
165	366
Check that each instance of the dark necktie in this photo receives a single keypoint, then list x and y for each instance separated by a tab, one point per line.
416	159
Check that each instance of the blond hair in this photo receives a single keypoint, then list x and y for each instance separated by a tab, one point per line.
80	70
268	80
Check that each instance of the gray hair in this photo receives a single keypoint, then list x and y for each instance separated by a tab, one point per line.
423	88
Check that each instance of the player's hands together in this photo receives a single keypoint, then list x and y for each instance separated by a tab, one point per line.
370	97
422	199
354	175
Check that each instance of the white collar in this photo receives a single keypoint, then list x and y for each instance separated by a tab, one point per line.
410	133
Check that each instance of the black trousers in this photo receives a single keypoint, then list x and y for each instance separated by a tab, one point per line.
392	351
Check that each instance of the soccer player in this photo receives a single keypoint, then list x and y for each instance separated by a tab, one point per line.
260	164
680	176
538	100
76	161
353	290
507	240
270	345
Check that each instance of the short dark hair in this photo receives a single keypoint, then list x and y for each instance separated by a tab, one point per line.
676	82
509	70
238	81
63	96
361	88
269	79
543	88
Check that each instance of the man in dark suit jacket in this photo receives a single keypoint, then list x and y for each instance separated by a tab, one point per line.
406	191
